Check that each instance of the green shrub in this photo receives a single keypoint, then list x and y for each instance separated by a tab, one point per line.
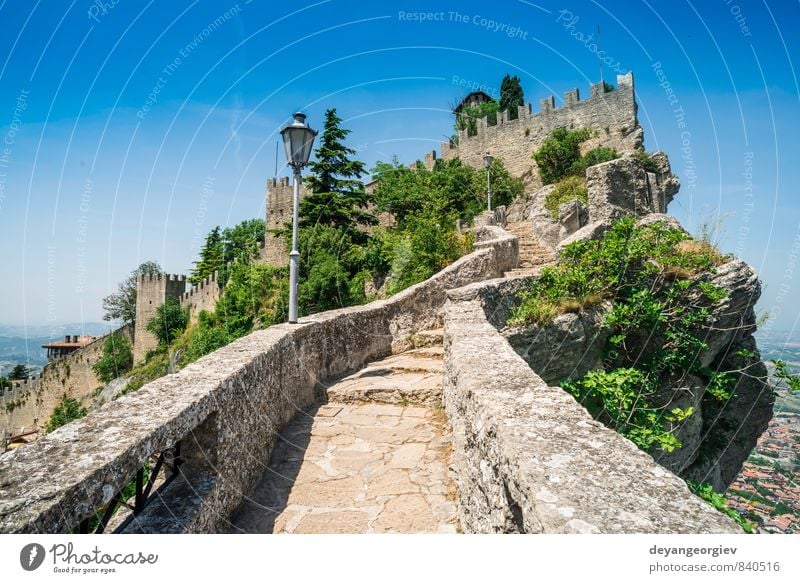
68	409
533	310
594	156
646	160
620	398
658	316
255	297
559	151
117	358
203	338
566	190
154	366
427	244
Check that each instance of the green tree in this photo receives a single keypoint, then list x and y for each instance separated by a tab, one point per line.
467	118
238	243
121	305
594	156
255	297
212	257
337	197
566	190
5	384
170	320
450	188
20	372
511	96
241	242
117	358
68	409
329	262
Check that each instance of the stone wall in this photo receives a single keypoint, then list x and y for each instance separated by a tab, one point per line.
151	292
612	115
528	458
29	405
226	410
202	296
279	212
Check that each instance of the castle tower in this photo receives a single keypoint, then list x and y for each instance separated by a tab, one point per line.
279	212
151	292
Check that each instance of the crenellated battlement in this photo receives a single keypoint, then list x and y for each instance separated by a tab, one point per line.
174	277
209	284
612	116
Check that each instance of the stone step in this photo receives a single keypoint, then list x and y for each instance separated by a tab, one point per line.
404	362
436	352
428	338
396	389
414	376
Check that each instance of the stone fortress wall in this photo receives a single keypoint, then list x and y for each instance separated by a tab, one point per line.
28	405
611	115
279	212
151	292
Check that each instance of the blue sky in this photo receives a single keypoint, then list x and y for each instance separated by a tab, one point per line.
129	129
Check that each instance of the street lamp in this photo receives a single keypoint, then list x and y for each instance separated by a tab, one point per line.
487	161
298	139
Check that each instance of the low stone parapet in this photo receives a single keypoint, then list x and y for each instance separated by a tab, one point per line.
529	458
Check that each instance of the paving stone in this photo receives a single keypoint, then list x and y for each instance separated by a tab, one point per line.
361	465
408	455
345	521
406	513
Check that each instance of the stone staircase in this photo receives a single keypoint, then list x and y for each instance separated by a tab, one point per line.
531	253
373	457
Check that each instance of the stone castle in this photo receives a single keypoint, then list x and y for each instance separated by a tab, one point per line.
611	114
526	456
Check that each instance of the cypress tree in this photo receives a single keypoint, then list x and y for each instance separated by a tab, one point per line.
211	257
511	96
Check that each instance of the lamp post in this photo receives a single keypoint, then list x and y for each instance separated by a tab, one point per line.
298	139
487	161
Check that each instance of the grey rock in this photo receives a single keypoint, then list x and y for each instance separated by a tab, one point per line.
565	349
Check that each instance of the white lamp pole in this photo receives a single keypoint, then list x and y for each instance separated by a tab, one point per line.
298	139
487	161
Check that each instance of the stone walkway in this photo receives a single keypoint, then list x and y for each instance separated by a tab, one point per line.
531	253
373	459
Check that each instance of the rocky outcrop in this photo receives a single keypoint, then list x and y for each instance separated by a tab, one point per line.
719	436
528	458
